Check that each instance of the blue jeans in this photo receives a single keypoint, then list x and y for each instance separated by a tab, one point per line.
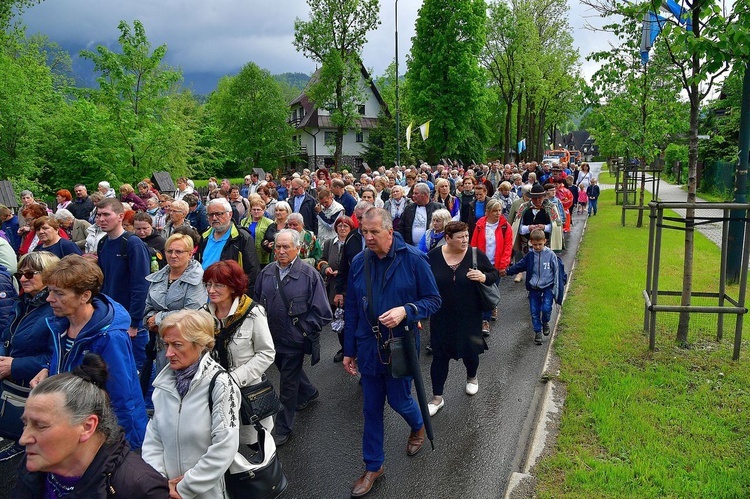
540	306
592	205
375	390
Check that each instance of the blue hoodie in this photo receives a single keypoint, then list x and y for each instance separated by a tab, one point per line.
106	334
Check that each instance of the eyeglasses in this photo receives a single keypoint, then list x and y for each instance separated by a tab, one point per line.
176	252
217	286
217	214
28	274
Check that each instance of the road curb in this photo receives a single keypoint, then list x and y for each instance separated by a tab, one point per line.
548	410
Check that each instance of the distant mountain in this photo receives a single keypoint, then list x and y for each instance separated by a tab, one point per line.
294	80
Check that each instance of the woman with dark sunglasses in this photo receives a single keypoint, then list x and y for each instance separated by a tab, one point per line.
24	347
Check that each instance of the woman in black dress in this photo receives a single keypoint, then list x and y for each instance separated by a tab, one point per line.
456	329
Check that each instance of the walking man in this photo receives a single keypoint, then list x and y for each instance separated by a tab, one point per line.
403	292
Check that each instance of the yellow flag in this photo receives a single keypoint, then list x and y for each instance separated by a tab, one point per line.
408	136
425	129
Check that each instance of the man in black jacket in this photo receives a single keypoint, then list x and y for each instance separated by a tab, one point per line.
416	217
81	207
304	204
225	241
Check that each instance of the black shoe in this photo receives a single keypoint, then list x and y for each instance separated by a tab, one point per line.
545	329
538	338
339	356
428	350
280	440
303	405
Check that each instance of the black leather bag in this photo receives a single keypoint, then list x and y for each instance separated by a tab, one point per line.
262	483
399	365
489	294
259	401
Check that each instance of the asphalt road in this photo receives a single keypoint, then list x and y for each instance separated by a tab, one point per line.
479	440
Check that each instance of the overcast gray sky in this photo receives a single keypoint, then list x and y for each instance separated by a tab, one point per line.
220	36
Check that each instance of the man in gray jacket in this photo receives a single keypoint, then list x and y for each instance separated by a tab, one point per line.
295	299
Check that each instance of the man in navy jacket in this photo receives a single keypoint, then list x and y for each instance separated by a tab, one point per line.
404	292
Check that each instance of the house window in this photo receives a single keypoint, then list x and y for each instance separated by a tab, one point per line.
360	136
361	109
359	162
330	138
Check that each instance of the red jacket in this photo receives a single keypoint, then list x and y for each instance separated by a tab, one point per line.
503	241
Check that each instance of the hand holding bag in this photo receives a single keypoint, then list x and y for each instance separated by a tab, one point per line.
267	482
489	293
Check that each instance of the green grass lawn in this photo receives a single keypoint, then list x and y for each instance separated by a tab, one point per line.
605	177
640	424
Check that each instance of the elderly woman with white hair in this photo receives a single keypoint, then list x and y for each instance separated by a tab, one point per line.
177	217
73	227
435	235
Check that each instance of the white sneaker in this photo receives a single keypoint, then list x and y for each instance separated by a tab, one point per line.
472	388
434	408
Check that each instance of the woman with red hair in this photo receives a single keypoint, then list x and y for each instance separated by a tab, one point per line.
64	198
244	346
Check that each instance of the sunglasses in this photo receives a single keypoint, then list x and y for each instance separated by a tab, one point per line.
28	274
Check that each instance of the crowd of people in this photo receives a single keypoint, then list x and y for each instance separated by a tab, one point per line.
129	313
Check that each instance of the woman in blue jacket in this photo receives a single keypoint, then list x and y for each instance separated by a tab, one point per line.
88	321
23	350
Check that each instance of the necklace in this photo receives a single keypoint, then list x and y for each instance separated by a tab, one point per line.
59	488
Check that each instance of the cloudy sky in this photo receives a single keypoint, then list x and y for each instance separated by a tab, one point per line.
218	37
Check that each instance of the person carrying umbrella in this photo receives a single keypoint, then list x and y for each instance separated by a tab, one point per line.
390	289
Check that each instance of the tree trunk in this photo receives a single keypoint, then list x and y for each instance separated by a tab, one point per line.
506	133
687	275
518	121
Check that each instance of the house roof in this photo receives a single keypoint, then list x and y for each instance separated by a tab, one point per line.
313	119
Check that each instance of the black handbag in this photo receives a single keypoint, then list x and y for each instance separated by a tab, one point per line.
398	365
263	483
259	401
489	294
12	402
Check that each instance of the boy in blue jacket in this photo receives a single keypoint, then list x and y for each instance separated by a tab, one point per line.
542	282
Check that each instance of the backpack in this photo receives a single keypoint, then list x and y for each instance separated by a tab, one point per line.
152	252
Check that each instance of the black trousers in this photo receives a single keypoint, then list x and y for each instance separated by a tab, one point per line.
439	370
295	388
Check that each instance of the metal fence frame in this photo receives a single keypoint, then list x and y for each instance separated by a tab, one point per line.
652	292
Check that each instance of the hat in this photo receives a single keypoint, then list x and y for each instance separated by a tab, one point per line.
548	186
537	191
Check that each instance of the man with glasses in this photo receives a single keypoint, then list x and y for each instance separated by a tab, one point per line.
225	241
304	204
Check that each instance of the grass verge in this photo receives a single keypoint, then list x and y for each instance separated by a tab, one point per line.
672	423
606	178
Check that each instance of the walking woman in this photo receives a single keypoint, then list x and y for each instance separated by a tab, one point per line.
244	346
185	441
456	328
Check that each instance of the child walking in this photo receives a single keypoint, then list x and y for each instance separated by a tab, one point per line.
592	191
543	282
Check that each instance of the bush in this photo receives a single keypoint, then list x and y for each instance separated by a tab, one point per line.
673	153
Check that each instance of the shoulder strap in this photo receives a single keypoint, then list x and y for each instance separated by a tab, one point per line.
211	390
473	258
373	320
280	287
123	244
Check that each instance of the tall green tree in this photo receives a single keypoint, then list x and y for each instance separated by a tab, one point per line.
447	84
28	107
333	37
250	113
140	95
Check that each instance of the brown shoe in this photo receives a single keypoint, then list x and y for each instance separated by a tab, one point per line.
364	483
416	439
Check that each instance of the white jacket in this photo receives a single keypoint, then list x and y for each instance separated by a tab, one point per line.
252	352
184	439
